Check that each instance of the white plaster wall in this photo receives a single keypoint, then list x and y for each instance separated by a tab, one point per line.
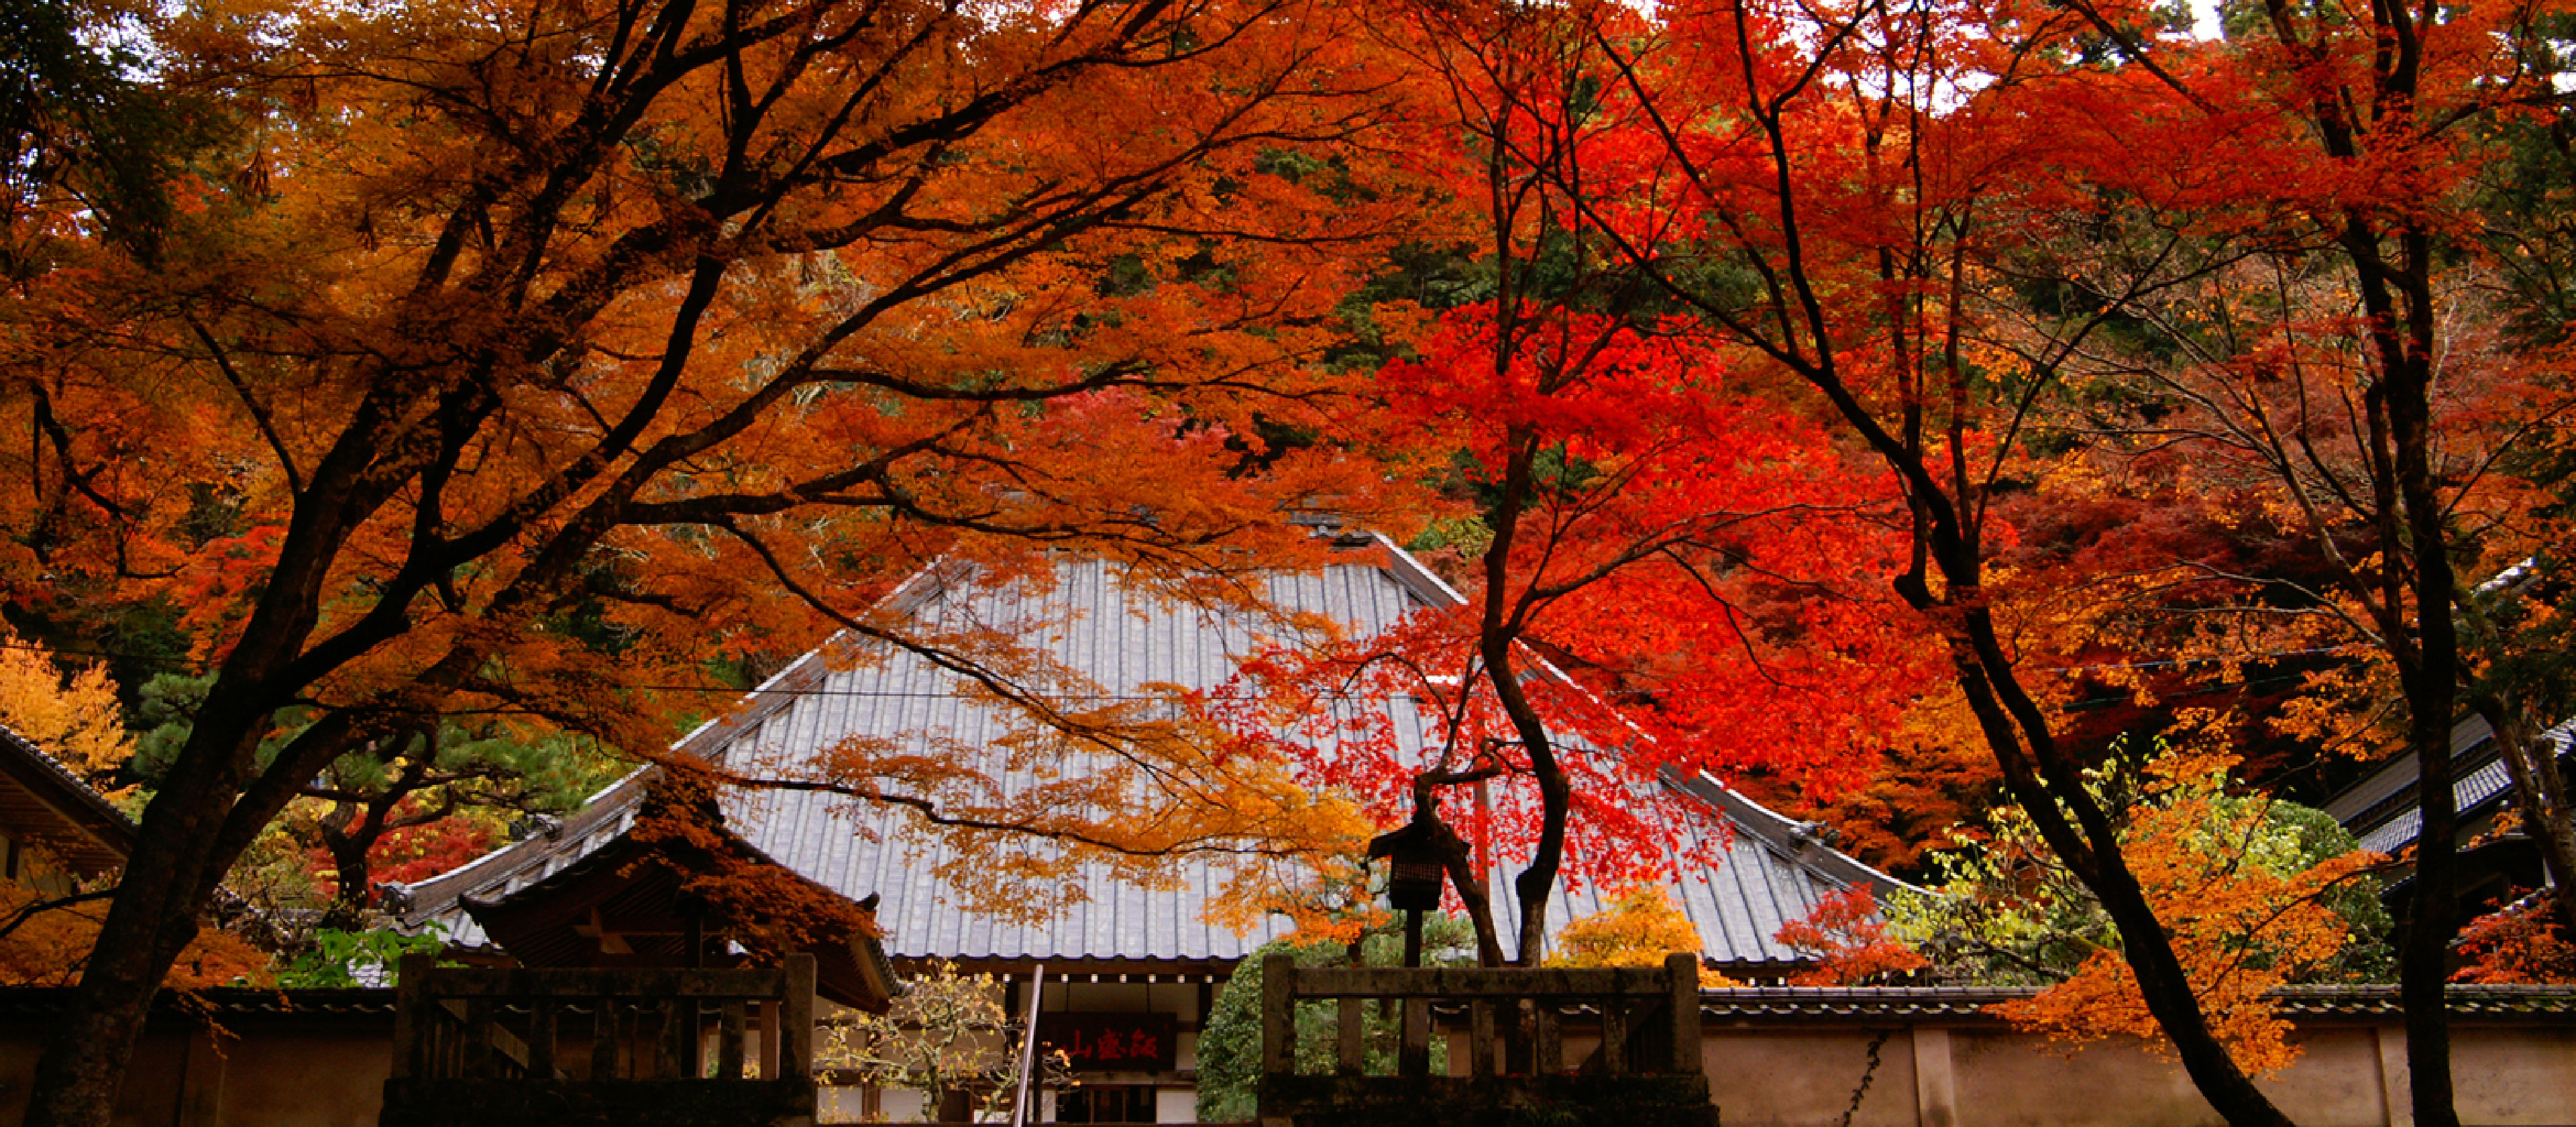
2346	1076
1760	1077
2514	1076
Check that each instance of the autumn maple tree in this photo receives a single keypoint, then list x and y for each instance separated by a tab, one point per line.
2337	345
1620	482
432	364
1850	942
711	321
2518	943
2014	191
1829	190
1639	929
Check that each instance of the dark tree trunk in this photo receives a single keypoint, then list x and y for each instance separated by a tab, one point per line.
1497	641
2540	793
347	835
1460	861
168	879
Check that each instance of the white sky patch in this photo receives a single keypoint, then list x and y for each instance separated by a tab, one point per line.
2204	19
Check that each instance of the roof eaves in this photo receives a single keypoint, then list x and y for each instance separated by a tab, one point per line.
2394	821
435	894
1414	576
1797	842
104	818
374	1003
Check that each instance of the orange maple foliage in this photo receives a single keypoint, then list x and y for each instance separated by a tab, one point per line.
515	361
1849	942
2239	926
1638	929
2516	943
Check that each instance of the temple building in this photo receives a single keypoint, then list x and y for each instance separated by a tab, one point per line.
1131	964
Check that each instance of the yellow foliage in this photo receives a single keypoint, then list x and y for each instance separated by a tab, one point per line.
2239	926
75	718
949	1031
1328	903
48	947
1638	930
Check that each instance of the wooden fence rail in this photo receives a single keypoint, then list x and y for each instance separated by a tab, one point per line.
1534	1003
629	1046
1646	1071
474	1024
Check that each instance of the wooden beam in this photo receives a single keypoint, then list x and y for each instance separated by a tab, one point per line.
603	1039
1547	1043
541	1038
1614	1036
795	1019
1351	1052
642	983
1683	970
1278	1018
1414	1057
410	973
729	1040
1480	1038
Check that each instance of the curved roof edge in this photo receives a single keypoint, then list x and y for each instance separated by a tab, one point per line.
88	832
1804	842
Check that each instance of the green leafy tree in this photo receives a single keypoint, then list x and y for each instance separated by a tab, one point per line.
345	958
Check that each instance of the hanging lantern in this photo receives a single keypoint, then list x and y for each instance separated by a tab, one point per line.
1418	871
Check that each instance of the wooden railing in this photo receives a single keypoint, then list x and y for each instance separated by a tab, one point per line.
638	1046
1531	1002
1644	1023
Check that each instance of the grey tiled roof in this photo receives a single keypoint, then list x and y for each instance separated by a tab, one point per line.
2389	825
1122	642
230	1003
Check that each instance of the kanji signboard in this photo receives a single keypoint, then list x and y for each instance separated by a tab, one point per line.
1111	1042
